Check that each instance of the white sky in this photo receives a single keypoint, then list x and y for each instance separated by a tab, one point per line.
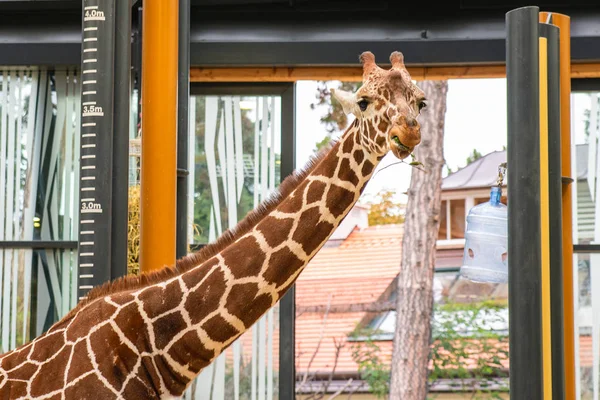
475	119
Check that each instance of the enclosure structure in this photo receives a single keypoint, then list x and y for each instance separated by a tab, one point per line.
236	48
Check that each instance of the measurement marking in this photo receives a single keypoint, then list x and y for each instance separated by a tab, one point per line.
90	82
89	199
85	287
90	60
89	111
91	211
89	92
90	71
89	103
86	265
91	8
88	189
90	28
88	124
87	233
88	135
83	276
88	156
89	254
87	146
87	221
90	50
94	114
89	167
87	243
90	39
88	178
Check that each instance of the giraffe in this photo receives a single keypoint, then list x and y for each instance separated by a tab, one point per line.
149	336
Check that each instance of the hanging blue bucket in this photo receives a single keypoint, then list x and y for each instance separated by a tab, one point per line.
485	257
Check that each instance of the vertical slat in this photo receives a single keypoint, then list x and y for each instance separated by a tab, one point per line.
204	383
239	146
575	233
595	292
263	150
262	343
592	150
256	151
68	205
222	154
254	361
210	127
270	366
76	150
3	136
273	122
229	177
219	379
237	355
191	168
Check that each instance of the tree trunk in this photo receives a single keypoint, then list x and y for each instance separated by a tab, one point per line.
415	280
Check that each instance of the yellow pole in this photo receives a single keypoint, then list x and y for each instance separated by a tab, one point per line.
159	134
564	24
545	221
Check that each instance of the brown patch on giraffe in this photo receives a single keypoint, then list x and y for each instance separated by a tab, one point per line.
379	104
327	167
133	326
148	373
137	389
89	387
219	329
293	204
383	125
277	274
244	303
80	363
310	232
46	347
157	300
338	200
380	141
95	314
367	168
195	276
114	358
166	327
346	173
315	192
246	255
190	350
348	145
174	382
275	230
11	359
16	389
24	372
206	298
122	298
45	381
359	156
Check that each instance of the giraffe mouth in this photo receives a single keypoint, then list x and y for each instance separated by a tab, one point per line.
401	146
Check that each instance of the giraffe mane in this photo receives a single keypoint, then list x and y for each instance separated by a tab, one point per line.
132	282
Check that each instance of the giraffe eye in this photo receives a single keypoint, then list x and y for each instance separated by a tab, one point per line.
363	104
422	105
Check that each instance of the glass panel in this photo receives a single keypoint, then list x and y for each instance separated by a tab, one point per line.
39	153
237	146
457	215
443	232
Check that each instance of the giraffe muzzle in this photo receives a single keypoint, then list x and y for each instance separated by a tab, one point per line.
403	139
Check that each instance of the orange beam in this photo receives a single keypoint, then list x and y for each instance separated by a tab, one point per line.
354	74
159	135
567	70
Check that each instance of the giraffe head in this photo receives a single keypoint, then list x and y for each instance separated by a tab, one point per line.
386	106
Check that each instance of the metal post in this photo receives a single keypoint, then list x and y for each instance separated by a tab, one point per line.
96	151
159	135
524	240
122	107
183	131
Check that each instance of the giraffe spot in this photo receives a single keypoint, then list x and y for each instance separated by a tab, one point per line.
45	381
338	200
367	168
380	140
282	264
190	351
275	230
348	145
24	372
244	303
157	300
115	360
194	276
359	156
133	326
166	327
346	173
245	258
46	347
148	373
370	129
15	389
93	315
205	299
311	232
174	382
327	167
383	125
379	104
137	389
80	363
89	387
293	203
14	358
315	192
122	298
219	329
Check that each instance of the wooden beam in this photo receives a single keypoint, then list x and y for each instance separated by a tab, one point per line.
354	74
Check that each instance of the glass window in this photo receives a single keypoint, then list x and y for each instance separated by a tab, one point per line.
457	219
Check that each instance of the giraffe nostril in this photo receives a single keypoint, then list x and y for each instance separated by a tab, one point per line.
411	122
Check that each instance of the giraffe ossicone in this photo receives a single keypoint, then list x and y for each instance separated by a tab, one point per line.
149	336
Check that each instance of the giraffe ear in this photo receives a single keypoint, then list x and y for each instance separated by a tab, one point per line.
346	99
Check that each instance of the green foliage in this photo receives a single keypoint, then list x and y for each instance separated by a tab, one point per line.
475	155
371	368
384	210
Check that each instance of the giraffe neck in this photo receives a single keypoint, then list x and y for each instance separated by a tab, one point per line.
152	341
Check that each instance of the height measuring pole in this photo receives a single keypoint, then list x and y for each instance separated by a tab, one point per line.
96	144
